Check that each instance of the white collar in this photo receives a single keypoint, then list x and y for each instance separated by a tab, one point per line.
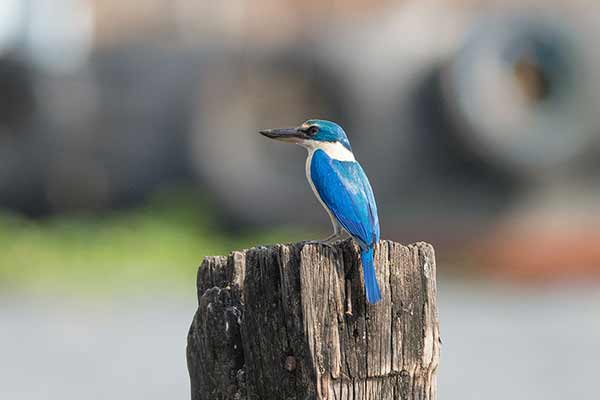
335	150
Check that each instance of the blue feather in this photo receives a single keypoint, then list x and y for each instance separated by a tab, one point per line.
371	286
345	190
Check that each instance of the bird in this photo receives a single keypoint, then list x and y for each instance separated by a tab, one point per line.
341	186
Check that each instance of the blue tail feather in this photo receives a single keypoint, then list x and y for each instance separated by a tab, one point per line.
371	286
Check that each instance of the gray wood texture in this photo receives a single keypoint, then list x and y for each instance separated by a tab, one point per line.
291	322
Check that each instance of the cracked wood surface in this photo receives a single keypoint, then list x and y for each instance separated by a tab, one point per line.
291	322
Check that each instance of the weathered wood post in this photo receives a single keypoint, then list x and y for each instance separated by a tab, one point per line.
291	322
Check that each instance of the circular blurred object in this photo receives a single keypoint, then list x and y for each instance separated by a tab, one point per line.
259	181
520	90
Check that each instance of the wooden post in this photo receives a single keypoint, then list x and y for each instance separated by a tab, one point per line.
291	322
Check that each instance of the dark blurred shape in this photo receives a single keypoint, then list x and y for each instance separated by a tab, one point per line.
520	94
102	136
17	100
40	42
142	117
535	82
19	182
449	184
256	180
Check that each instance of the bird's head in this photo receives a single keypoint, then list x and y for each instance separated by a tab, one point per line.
311	131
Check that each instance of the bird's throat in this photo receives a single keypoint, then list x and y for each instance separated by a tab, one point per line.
335	150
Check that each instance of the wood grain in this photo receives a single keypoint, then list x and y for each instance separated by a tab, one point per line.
291	322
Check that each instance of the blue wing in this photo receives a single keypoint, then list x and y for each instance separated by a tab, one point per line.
345	190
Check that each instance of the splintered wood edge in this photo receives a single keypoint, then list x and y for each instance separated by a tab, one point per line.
230	269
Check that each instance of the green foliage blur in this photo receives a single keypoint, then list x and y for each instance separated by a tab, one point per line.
154	247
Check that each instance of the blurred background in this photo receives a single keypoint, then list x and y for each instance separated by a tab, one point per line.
129	150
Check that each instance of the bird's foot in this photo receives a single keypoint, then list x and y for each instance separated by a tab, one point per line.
328	241
336	237
321	242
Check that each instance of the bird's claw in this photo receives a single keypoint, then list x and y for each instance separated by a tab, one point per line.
329	241
325	243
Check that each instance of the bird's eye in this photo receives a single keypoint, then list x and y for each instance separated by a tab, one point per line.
312	131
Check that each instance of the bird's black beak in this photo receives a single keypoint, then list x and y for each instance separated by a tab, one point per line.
285	134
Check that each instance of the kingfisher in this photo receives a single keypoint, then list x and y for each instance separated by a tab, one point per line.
342	188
